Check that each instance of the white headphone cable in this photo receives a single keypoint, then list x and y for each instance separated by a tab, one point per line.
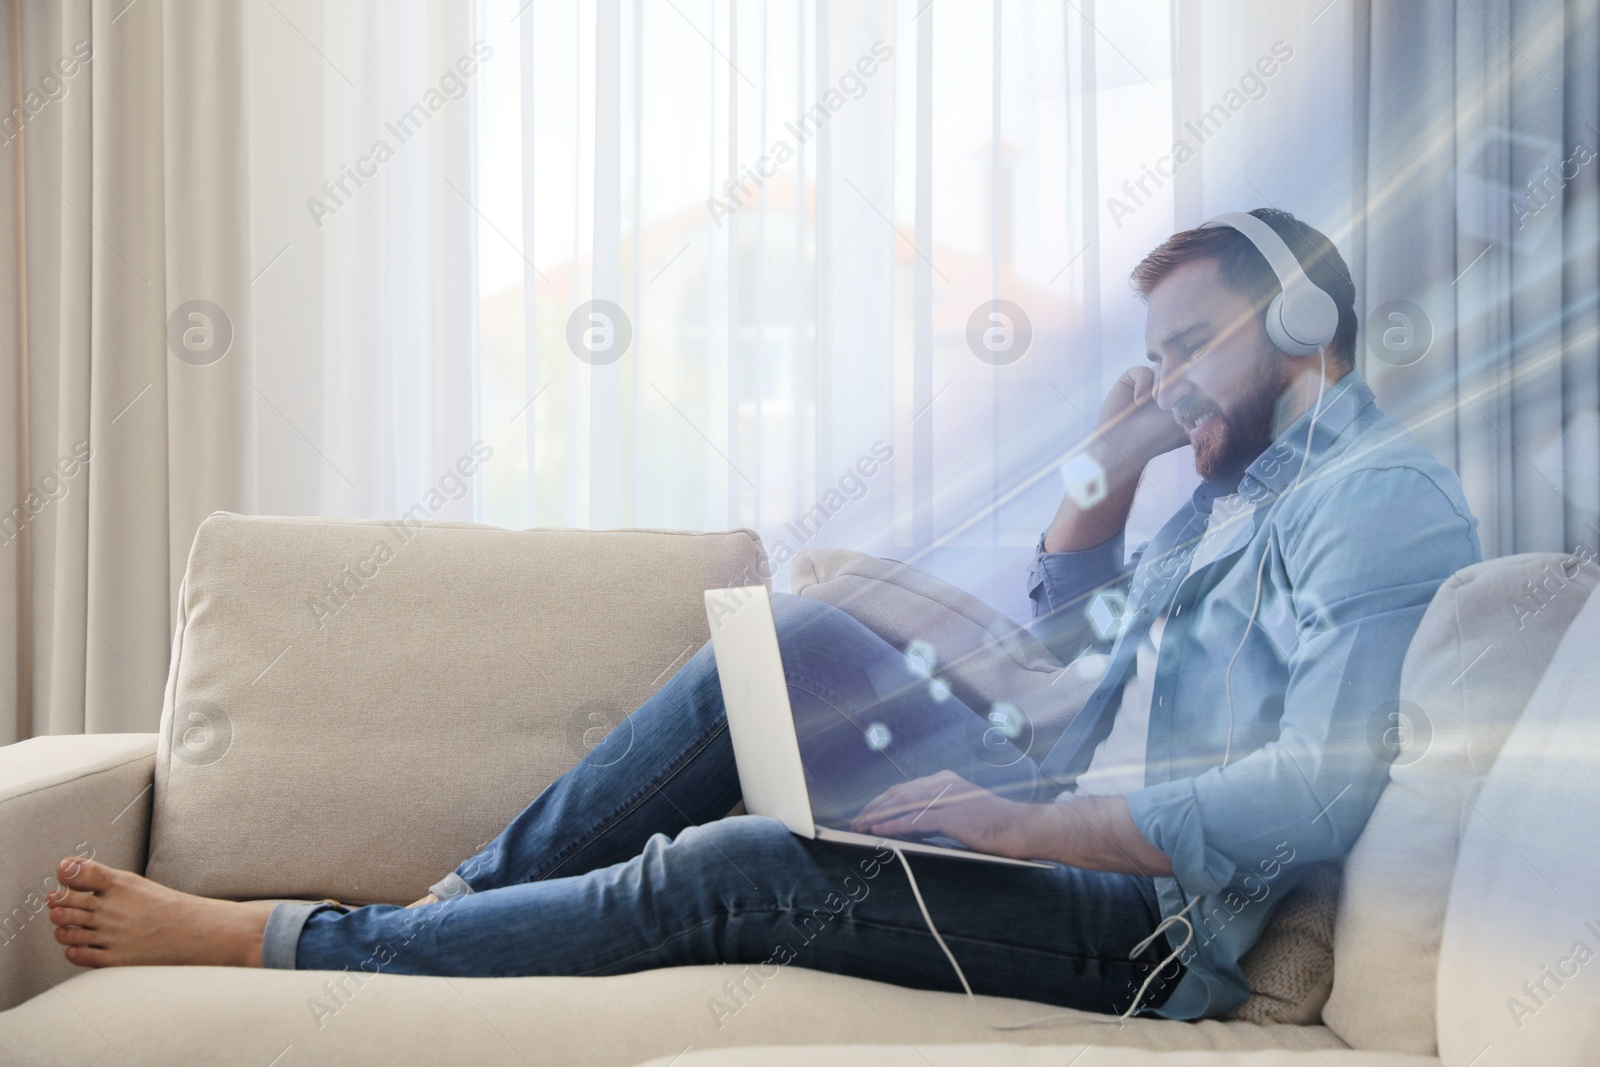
1316	411
1227	676
1255	606
1161	927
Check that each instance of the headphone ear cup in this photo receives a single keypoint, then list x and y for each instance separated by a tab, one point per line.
1301	320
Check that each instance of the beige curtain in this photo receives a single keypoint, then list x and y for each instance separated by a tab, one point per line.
125	355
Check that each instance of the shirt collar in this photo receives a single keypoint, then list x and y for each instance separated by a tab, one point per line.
1276	468
1206	493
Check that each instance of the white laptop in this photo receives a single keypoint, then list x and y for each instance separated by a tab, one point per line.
766	746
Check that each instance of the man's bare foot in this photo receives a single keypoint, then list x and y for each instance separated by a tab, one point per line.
111	918
429	899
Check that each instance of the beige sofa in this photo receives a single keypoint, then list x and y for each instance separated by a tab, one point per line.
355	707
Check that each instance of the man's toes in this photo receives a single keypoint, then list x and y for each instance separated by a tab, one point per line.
76	935
87	875
86	956
73	898
71	917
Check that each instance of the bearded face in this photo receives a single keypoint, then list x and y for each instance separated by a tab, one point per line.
1228	435
1218	374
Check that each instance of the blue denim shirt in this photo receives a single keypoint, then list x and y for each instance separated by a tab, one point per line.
1246	795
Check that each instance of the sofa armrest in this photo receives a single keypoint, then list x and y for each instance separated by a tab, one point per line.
85	794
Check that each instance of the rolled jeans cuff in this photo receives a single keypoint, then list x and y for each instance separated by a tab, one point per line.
450	886
281	938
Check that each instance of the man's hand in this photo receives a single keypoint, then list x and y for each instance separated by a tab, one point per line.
946	803
1131	432
1132	426
1095	833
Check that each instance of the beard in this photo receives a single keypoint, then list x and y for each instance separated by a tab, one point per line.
1244	430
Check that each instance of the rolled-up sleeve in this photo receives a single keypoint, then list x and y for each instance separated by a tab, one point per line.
1359	577
1060	585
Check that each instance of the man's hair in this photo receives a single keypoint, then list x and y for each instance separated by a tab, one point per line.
1247	270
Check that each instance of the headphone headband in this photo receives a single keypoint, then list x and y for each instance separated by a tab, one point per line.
1303	318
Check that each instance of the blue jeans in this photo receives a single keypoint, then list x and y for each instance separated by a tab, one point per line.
627	862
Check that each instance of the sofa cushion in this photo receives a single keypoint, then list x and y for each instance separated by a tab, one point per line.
355	707
1519	965
223	1017
1478	653
988	658
1290	967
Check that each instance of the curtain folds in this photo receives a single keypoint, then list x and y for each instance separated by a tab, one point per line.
1481	213
364	212
127	348
848	273
800	287
1451	149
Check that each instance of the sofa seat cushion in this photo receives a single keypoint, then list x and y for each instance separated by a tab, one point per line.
354	708
223	1016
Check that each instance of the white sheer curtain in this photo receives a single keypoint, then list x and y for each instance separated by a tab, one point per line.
822	229
800	206
361	134
800	214
794	211
399	205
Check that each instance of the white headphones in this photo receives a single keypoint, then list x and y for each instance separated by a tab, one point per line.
1302	319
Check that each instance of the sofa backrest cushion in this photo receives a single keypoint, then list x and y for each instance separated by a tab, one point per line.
1476	657
356	707
1519	967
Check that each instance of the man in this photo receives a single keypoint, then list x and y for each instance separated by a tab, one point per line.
1225	752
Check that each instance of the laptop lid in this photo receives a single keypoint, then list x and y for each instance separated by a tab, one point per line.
744	638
